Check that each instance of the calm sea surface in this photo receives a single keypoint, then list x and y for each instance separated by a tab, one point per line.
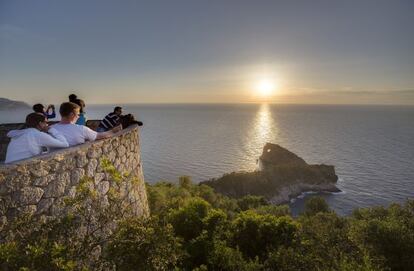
372	147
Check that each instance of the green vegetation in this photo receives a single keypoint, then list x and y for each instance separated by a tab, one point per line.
193	228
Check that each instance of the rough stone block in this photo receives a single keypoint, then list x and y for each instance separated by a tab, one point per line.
18	181
5	203
22	169
3	222
94	152
123	159
44	205
4	189
56	207
91	168
111	157
57	187
27	210
76	175
103	187
72	192
98	178
81	159
69	164
107	148
54	165
44	181
121	151
28	196
41	169
115	142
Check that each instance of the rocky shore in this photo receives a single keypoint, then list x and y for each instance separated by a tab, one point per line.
282	175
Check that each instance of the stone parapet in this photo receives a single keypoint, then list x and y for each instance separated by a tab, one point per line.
39	185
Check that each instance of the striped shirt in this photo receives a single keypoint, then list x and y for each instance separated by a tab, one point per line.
110	121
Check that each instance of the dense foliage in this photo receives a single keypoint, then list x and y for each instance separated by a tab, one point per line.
193	228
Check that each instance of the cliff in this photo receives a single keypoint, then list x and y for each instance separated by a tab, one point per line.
6	104
282	175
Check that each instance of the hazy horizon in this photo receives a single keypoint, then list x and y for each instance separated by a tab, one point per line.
309	52
229	103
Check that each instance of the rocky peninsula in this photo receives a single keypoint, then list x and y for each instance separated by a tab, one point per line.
282	175
6	104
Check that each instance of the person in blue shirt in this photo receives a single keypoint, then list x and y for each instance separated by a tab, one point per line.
82	115
49	113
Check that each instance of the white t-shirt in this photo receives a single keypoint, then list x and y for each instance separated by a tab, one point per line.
30	142
75	134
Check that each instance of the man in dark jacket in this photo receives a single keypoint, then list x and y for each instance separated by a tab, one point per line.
111	120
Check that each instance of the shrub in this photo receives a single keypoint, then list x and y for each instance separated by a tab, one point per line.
255	235
315	205
251	202
144	245
188	220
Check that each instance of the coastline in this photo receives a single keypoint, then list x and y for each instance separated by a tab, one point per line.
287	193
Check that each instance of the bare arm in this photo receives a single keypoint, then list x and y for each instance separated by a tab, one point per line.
109	133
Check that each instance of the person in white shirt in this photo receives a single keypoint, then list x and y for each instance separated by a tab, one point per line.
31	141
78	134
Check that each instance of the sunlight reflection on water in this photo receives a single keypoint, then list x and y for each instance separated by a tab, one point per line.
264	129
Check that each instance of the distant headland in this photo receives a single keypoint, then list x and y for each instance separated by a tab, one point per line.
6	104
282	175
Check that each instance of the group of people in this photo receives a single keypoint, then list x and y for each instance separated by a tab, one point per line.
50	113
38	137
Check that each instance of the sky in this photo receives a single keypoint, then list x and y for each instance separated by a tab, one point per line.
215	51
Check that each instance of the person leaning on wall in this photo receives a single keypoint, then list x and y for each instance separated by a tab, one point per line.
111	120
78	134
33	139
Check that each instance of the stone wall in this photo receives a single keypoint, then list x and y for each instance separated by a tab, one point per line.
39	185
6	127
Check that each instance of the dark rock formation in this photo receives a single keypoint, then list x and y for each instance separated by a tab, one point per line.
275	155
6	104
282	175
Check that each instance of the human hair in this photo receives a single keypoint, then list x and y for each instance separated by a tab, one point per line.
67	108
72	98
117	108
33	120
81	104
38	108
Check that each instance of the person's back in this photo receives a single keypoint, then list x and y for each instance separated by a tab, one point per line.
75	134
23	144
33	140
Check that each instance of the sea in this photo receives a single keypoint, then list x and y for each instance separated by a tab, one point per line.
371	147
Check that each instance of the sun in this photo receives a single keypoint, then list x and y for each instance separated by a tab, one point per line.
265	87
